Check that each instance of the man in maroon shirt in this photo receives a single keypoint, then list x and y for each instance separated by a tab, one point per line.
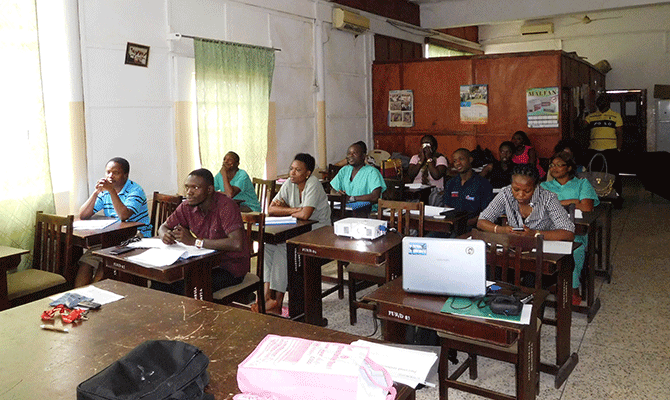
211	220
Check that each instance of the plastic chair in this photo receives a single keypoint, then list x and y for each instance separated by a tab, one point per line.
52	269
253	282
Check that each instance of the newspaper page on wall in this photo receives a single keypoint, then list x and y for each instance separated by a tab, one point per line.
401	108
474	104
542	107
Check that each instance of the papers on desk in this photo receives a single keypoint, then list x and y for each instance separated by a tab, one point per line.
161	254
407	366
93	224
579	214
280	220
354	205
432	211
99	296
416	186
556	247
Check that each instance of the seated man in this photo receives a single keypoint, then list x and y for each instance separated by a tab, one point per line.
211	220
235	183
118	197
467	191
359	181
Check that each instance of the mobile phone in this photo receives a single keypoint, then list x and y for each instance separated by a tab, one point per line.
89	304
120	250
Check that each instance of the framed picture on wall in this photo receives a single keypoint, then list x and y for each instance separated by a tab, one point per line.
401	108
137	54
474	107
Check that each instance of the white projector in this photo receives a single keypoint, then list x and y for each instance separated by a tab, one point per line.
360	228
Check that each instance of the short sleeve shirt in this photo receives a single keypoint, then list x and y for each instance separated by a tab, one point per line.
366	180
221	219
313	195
547	214
603	129
441	160
247	192
133	197
575	188
473	196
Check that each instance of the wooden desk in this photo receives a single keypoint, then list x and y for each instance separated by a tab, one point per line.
276	234
9	259
195	271
399	308
109	236
52	364
457	224
308	252
561	266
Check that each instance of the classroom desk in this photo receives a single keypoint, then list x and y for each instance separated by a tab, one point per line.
398	308
109	236
10	258
308	252
195	271
47	364
456	224
559	265
276	234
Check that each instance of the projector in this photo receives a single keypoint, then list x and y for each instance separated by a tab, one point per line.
360	228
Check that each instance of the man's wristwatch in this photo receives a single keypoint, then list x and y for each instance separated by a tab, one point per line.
199	243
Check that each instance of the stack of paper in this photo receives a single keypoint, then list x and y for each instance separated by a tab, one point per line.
410	367
280	220
161	254
432	211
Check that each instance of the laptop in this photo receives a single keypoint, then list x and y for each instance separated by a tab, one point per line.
449	267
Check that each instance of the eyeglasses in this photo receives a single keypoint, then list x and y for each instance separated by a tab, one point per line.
552	165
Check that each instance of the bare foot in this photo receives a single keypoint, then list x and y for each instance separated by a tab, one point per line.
254	307
272	307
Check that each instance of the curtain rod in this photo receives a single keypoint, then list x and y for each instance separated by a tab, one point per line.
176	36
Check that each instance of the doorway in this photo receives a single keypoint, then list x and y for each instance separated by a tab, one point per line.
632	105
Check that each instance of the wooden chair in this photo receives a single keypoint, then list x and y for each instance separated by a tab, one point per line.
52	269
503	255
265	191
336	213
253	282
162	206
399	219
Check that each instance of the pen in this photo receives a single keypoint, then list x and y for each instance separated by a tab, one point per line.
54	328
528	299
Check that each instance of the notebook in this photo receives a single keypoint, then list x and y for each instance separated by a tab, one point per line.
450	267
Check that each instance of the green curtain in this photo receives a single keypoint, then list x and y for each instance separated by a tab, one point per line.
25	181
233	92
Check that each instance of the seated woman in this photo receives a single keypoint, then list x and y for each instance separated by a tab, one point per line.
368	159
429	168
572	190
499	173
524	153
235	183
529	206
572	147
359	181
301	196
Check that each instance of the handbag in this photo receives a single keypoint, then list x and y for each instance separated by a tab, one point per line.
602	181
290	368
154	370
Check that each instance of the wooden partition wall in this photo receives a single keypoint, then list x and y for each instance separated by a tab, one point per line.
436	85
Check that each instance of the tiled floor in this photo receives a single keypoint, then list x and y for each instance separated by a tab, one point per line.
624	353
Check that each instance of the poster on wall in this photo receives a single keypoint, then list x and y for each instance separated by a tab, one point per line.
474	104
542	107
401	108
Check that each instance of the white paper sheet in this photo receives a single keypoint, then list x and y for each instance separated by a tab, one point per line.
280	220
557	247
98	295
432	211
157	243
410	367
158	257
416	186
93	224
579	214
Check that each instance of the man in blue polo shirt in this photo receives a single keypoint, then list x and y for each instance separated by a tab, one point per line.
467	191
118	197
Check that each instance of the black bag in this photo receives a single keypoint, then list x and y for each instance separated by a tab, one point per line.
154	370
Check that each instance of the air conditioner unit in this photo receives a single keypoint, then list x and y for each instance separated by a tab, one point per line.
537	29
348	21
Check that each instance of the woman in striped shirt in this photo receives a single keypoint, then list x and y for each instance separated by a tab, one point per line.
527	206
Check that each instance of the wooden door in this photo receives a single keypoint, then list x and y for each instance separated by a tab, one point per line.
632	105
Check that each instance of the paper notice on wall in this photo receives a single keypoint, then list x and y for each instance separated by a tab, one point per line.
542	107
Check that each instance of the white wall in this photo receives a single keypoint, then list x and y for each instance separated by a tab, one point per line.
635	41
129	109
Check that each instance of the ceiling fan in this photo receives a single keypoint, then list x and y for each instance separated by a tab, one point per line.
587	20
